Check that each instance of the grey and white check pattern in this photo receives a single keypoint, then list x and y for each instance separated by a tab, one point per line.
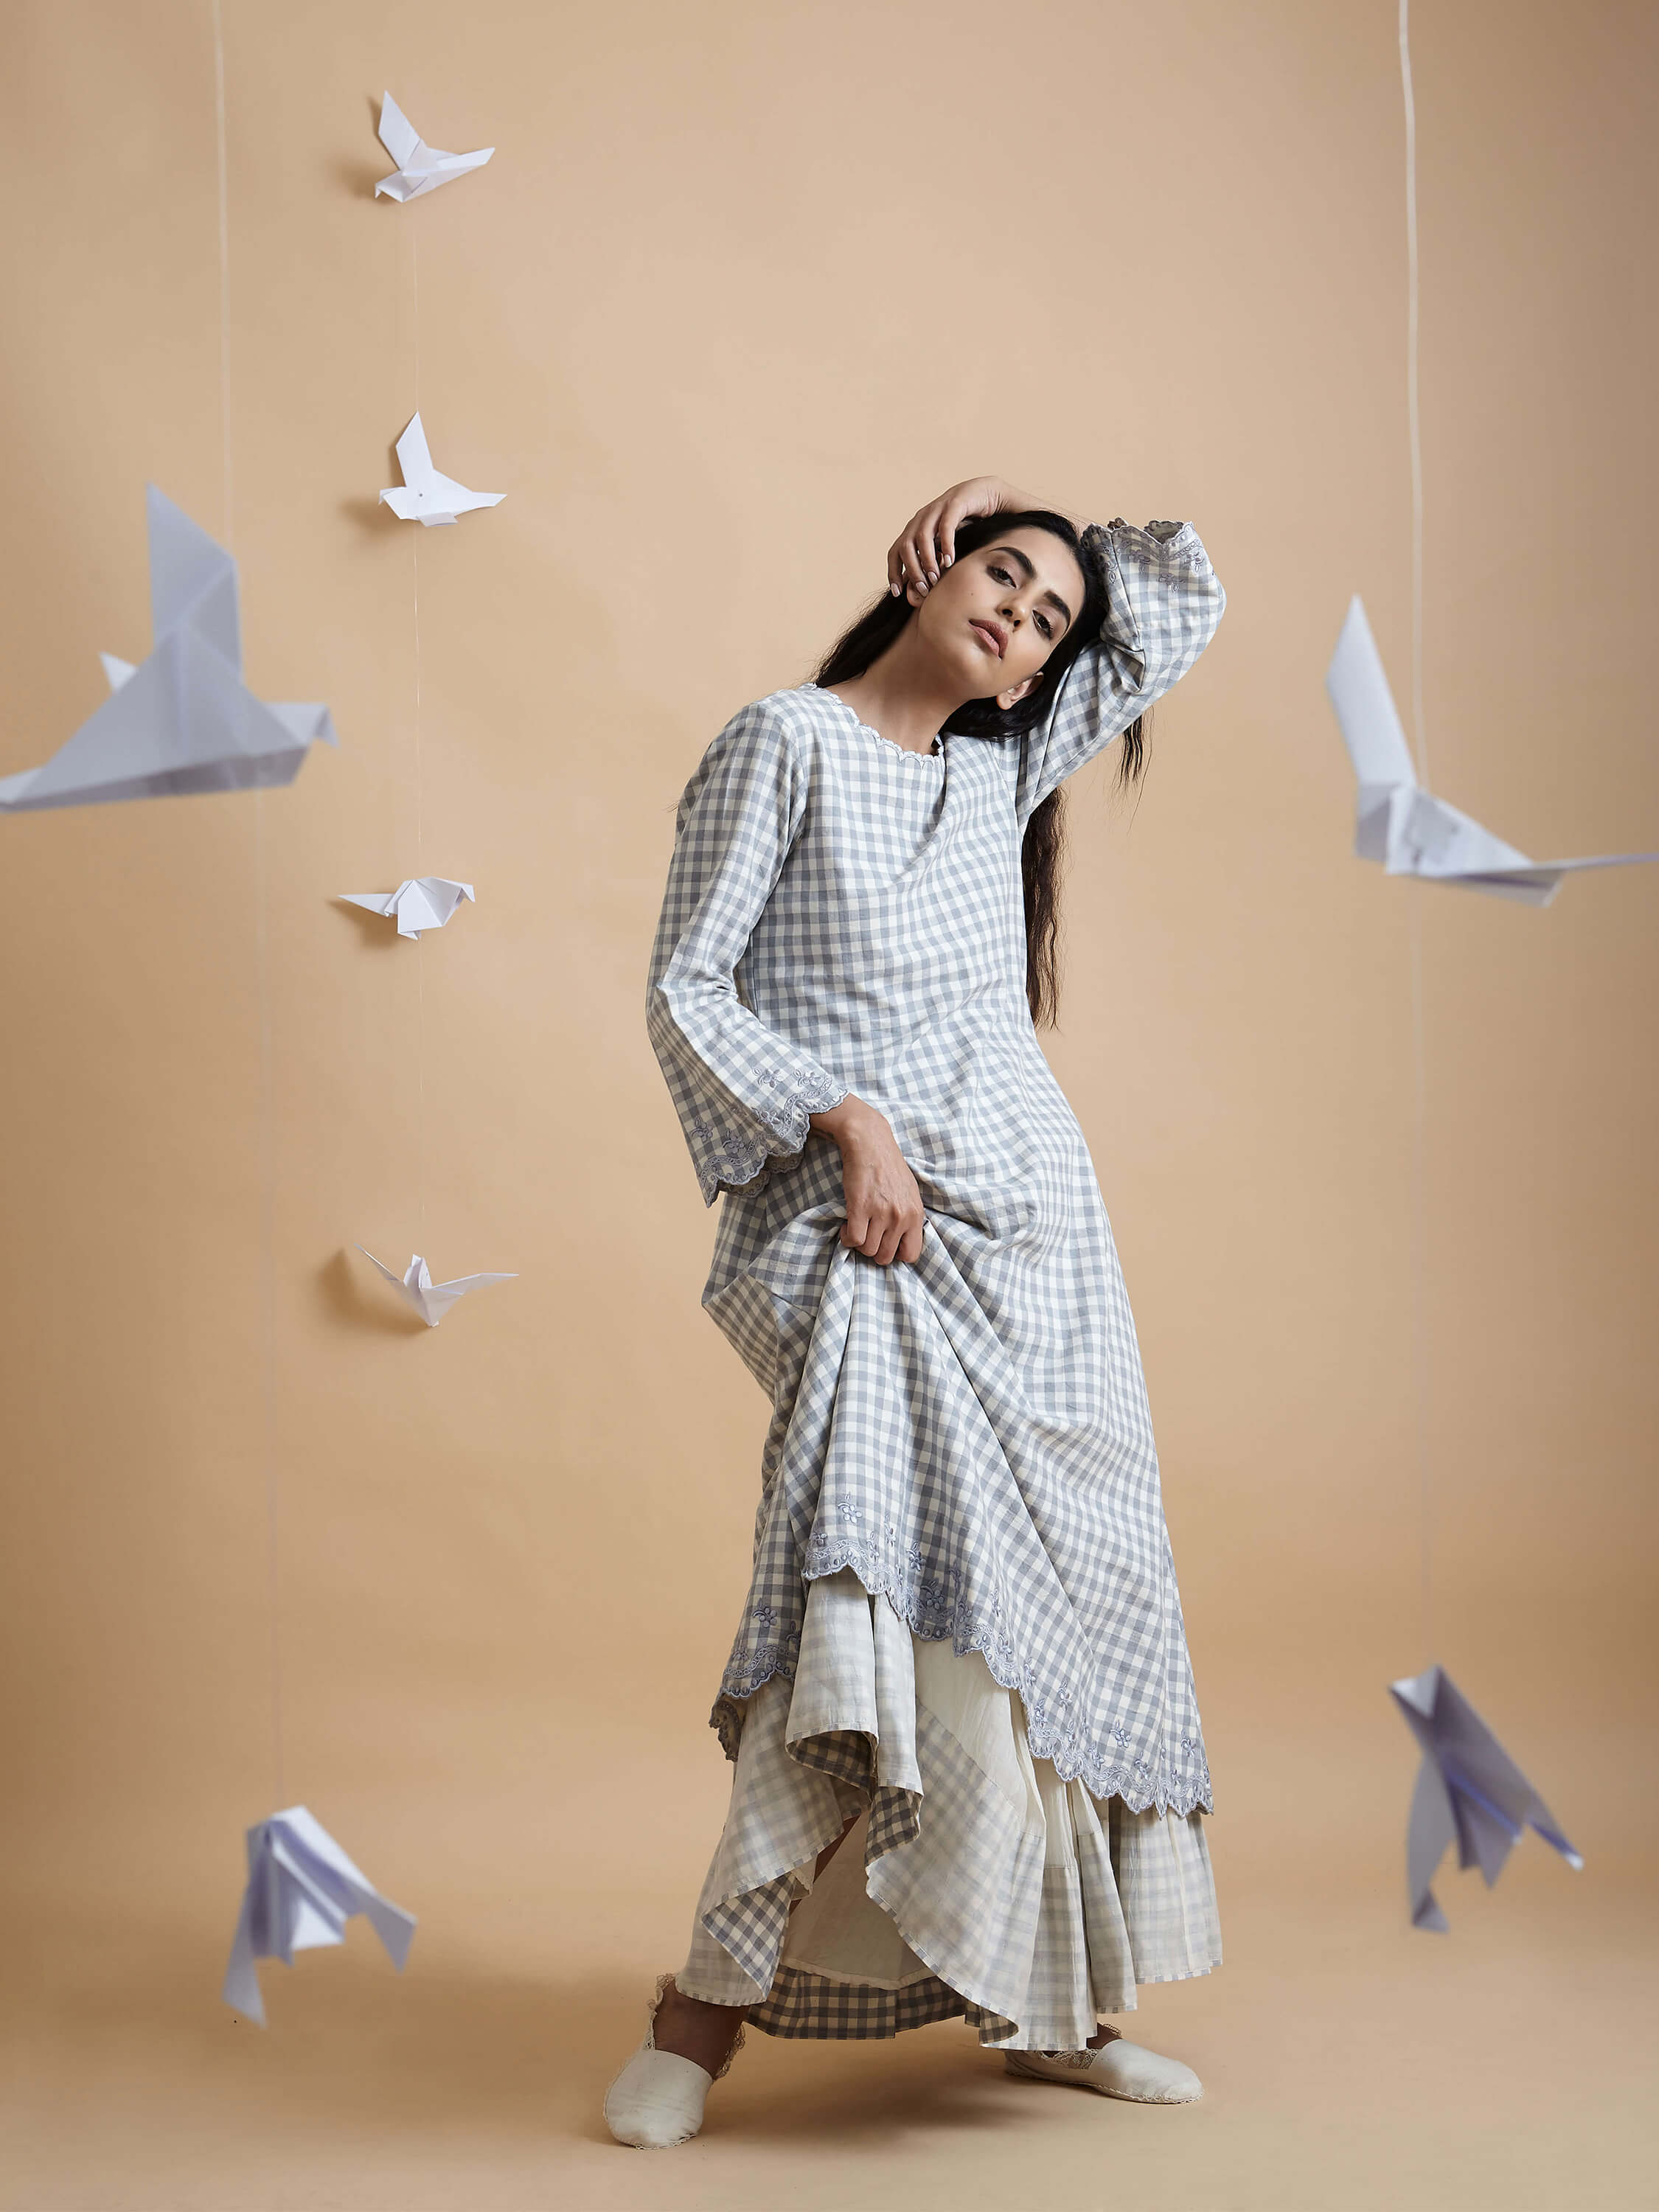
1031	1925
971	1434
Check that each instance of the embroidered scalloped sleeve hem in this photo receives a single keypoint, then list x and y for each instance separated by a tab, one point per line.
743	1089
727	1162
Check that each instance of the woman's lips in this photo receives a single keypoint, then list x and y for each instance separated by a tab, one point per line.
990	637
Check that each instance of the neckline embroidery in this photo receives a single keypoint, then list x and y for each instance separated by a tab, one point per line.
935	752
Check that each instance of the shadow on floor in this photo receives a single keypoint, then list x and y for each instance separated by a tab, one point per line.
350	2042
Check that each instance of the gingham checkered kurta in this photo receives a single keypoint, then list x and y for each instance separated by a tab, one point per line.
970	1433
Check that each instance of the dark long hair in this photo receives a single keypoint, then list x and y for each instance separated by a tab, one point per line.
878	626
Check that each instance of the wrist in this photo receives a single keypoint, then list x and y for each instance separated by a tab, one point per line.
845	1122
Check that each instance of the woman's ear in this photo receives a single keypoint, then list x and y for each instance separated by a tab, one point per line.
1012	696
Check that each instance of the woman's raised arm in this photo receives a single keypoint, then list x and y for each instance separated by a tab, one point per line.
1163	601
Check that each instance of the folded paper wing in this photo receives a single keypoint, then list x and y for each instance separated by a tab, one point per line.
183	721
419	903
427	496
431	1301
301	1890
1469	1792
421	168
1398	823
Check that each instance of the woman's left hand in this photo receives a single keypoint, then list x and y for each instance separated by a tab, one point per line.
927	546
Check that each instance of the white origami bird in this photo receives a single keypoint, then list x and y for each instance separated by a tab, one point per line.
426	496
1469	1792
183	721
1400	824
419	902
301	1890
431	1301
421	168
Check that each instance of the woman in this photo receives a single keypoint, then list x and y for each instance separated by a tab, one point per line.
962	1655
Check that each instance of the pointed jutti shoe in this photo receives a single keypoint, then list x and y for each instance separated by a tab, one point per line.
1116	2069
657	2100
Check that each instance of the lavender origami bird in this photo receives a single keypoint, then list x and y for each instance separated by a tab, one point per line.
301	1890
1469	1792
183	721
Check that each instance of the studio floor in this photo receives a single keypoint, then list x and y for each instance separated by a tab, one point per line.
1349	2064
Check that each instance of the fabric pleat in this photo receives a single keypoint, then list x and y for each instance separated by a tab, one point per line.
975	1883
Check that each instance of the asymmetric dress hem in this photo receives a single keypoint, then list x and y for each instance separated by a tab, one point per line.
962	1443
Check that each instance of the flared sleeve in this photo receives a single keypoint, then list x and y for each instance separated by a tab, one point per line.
743	1091
1163	601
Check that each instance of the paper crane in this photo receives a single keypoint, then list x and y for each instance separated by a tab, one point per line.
419	902
1469	1792
427	496
1408	829
301	1890
183	721
431	1301
421	168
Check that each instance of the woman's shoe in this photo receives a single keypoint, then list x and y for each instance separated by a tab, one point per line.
657	2099
1116	2069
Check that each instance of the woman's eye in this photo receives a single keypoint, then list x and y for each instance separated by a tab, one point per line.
1002	575
1045	625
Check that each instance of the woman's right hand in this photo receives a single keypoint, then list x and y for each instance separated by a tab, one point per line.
885	1216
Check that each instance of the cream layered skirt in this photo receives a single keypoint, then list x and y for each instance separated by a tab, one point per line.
975	1883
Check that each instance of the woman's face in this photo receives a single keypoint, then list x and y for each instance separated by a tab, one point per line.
997	613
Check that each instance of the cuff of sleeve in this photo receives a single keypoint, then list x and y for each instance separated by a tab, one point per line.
741	1162
1119	628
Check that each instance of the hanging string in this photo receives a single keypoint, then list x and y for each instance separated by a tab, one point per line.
1415	890
419	965
267	1269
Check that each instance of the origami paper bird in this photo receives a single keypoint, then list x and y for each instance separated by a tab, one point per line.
1469	1791
301	1890
1408	829
426	496
431	1301
419	902
421	168
183	721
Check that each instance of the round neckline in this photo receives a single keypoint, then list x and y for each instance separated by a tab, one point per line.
935	751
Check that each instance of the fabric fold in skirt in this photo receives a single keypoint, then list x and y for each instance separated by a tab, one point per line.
974	1881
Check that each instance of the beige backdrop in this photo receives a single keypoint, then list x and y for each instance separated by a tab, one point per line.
745	284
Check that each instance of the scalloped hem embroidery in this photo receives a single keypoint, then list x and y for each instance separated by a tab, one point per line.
1174	1790
729	1163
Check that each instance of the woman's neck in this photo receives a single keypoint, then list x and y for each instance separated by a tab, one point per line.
900	696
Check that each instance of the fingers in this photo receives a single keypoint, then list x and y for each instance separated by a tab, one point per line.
895	562
954	509
884	1234
921	561
917	557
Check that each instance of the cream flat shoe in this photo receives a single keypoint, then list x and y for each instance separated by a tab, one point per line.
657	2099
1116	2069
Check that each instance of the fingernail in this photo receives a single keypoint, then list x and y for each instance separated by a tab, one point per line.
949	558
933	575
